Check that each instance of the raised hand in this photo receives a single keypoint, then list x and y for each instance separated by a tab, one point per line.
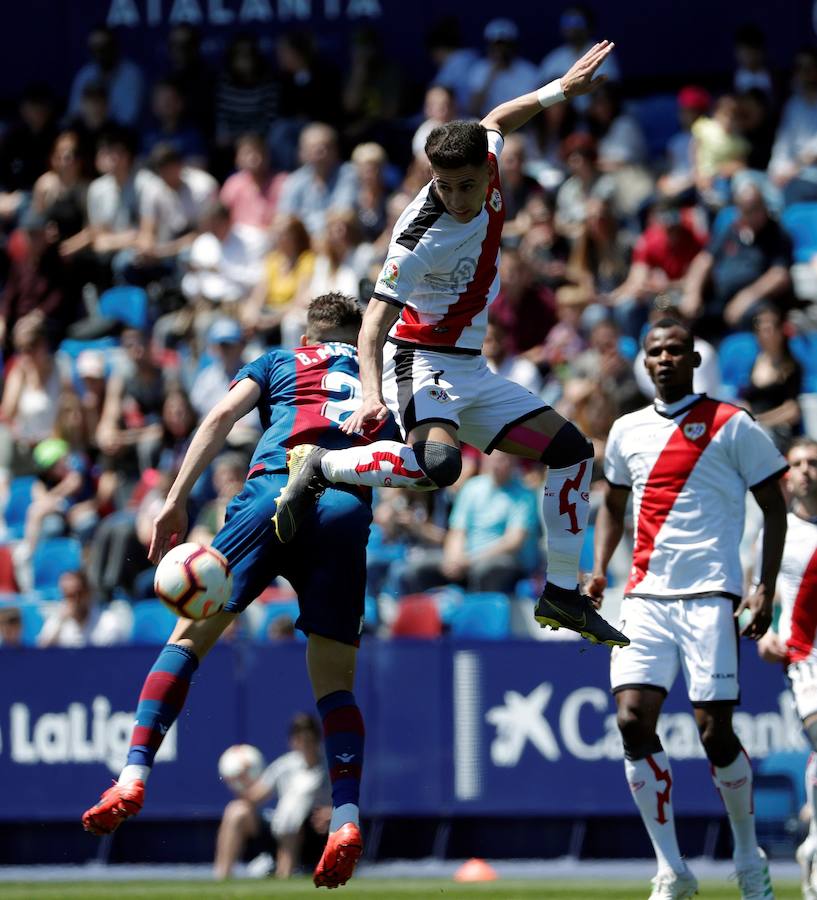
579	78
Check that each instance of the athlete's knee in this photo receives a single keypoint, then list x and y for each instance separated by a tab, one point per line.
441	462
569	447
718	738
637	734
238	812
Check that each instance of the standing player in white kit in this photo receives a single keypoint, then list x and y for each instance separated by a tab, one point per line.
420	356
688	461
793	642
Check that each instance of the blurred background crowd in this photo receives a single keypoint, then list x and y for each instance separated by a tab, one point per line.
159	228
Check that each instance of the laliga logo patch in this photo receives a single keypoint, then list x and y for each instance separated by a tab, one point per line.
390	273
439	394
496	200
694	430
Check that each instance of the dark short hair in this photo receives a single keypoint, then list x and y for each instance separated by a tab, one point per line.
332	313
667	322
119	136
303	723
457	144
164	155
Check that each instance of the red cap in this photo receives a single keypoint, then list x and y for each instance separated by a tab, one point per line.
692	97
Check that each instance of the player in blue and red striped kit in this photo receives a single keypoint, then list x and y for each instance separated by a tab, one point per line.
302	396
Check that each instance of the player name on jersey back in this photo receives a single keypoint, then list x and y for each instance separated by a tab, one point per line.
689	472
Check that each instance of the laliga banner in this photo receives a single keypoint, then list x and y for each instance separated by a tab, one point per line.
452	728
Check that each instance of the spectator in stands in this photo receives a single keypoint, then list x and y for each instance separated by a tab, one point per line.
603	367
751	66
757	124
719	151
679	181
252	193
564	340
517	186
91	122
594	412
600	256
169	212
11	627
299	782
620	140
130	421
373	91
321	183
247	97
66	180
547	133
439	108
524	308
706	379
452	61
776	380
288	269
178	422
76	621
661	258
171	125
748	264
29	405
114	203
92	373
122	78
24	149
793	165
370	163
493	533
500	359
379	247
229	473
544	249
501	74
191	74
586	180
225	343
576	24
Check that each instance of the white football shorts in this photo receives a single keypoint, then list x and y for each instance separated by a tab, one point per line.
425	386
699	636
803	678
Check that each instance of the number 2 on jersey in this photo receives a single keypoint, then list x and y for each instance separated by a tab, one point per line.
349	391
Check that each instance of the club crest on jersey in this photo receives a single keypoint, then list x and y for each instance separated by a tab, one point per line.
694	430
496	200
390	273
439	394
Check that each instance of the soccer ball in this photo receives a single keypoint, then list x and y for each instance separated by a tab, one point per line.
193	581
240	766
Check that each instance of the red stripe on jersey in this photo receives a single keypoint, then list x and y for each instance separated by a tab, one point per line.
804	614
669	475
470	303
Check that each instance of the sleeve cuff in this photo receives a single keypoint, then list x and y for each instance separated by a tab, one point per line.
386	299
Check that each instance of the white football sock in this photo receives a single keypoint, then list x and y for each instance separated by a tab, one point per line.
566	506
650	782
734	784
347	812
382	464
134	773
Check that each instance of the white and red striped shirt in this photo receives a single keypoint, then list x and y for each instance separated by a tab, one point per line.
689	468
797	588
443	274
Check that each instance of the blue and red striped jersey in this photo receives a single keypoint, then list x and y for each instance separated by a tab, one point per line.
305	395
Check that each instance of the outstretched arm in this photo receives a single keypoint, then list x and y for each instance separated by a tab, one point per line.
579	79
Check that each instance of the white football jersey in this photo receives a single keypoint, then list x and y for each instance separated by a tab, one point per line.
689	471
444	274
797	588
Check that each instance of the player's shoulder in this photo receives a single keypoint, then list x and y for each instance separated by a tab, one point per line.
646	413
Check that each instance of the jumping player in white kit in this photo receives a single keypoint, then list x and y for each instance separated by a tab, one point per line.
420	356
688	461
793	641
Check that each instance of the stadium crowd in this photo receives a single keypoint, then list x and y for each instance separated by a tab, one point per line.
157	232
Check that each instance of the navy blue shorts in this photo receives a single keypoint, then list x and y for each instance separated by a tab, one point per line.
325	562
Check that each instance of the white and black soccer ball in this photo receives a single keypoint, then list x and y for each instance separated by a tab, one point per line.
193	581
240	766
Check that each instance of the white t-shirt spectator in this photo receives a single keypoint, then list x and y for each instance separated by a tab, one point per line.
116	207
102	628
796	133
176	212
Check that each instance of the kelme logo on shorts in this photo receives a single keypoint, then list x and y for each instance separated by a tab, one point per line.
390	273
439	394
694	430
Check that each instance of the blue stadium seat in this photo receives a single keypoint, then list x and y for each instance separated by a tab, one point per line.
273	611
19	499
800	220
736	355
126	304
51	558
447	599
723	220
791	763
628	346
482	616
804	348
152	622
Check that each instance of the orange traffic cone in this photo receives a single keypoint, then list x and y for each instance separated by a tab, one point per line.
475	870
